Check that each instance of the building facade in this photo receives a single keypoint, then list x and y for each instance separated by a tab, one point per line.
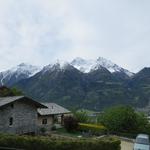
53	114
18	114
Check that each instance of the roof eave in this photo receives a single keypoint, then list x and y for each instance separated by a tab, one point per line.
53	114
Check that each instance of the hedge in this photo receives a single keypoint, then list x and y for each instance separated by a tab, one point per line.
93	128
41	143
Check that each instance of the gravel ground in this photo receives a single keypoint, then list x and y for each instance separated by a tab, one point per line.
126	145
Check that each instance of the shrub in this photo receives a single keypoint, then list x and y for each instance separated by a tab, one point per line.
120	119
81	116
43	143
43	130
95	129
53	128
70	123
124	119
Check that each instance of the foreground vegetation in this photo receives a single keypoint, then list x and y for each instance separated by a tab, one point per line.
48	143
125	120
120	120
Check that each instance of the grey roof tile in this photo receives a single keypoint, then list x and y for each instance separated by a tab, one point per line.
52	109
6	100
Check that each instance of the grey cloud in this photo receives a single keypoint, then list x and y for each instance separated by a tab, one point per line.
46	30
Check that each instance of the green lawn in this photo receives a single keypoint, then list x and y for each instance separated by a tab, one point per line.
62	131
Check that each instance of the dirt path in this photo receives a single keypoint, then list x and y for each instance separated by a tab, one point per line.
126	145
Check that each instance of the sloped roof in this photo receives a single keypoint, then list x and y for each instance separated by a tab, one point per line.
53	109
7	100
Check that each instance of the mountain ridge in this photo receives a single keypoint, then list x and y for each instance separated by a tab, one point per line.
84	65
66	84
15	74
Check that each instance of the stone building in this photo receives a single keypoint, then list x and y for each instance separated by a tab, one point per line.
54	114
18	114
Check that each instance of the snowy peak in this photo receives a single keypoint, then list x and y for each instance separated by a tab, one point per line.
21	71
89	65
82	64
86	65
58	65
24	68
112	67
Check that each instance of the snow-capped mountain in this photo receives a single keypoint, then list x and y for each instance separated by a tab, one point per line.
24	71
89	84
104	86
57	65
15	74
89	65
86	66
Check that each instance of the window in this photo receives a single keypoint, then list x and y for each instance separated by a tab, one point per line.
11	121
12	105
44	121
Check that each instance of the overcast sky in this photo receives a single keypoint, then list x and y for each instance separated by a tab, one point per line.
41	31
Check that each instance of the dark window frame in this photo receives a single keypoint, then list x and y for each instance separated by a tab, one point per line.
44	121
12	105
11	120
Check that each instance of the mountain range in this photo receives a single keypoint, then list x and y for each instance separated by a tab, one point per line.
15	74
91	84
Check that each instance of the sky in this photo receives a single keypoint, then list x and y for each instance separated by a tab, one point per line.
41	31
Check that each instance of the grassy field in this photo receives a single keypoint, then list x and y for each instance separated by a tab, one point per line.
63	132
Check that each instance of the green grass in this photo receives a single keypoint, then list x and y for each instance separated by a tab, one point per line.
62	131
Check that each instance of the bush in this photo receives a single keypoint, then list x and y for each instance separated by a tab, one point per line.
53	128
122	119
81	116
95	129
143	125
43	143
70	123
43	130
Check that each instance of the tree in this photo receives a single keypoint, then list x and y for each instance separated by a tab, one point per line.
43	130
70	123
5	91
16	92
81	116
120	119
143	123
